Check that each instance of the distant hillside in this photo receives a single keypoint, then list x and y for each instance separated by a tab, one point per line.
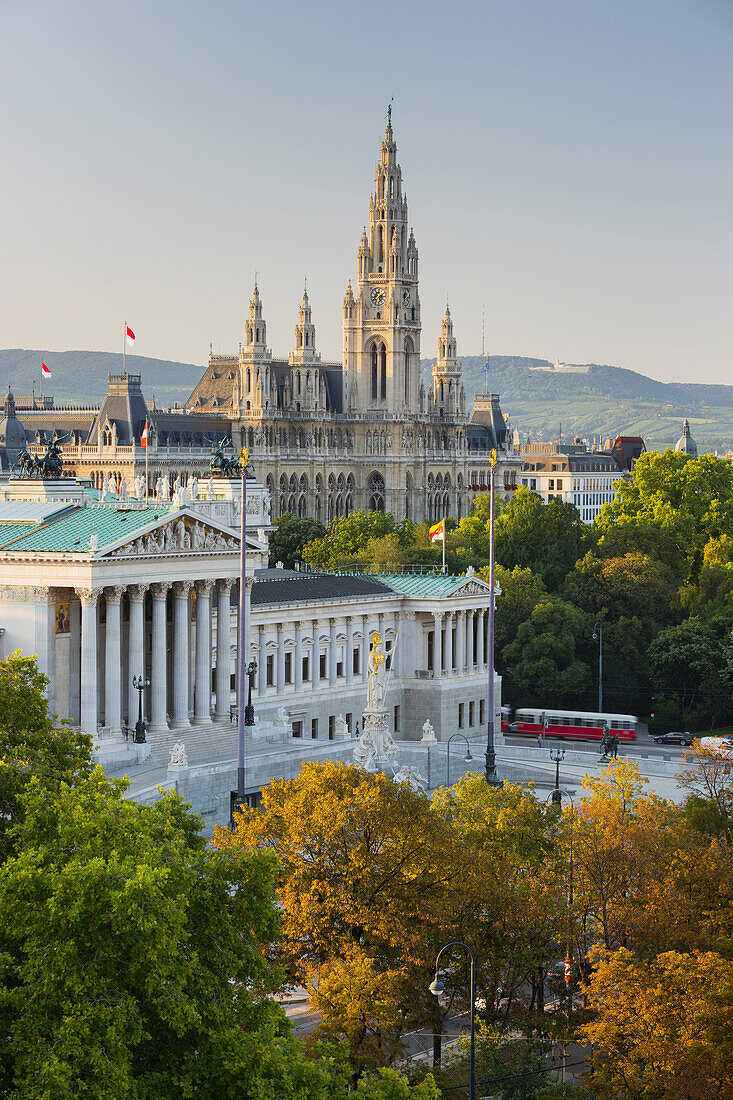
81	376
595	400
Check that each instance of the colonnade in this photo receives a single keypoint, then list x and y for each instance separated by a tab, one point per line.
170	696
459	643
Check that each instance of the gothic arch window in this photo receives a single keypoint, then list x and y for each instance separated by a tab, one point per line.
380	246
257	338
375	488
375	381
383	372
408	350
302	508
283	504
250	438
283	483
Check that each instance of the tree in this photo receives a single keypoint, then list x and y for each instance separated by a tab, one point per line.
663	1028
521	591
545	538
133	955
547	657
707	775
30	744
693	662
290	535
689	498
365	866
633	586
347	538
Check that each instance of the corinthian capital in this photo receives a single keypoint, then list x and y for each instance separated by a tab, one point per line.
88	596
181	589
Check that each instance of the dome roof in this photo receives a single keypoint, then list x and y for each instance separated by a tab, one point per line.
12	432
686	444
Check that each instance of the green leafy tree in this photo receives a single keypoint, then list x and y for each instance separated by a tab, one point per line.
521	591
291	533
30	745
133	956
689	498
546	538
692	661
347	538
549	656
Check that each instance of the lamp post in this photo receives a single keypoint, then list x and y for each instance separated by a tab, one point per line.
139	683
238	798
598	637
559	755
491	776
436	988
467	757
556	797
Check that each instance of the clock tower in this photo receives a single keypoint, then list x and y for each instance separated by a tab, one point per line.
381	351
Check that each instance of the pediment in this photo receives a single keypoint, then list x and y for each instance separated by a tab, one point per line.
178	534
472	587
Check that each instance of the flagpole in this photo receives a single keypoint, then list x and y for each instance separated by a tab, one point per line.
147	448
124	347
444	543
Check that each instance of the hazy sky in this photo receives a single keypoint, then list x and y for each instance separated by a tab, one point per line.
568	165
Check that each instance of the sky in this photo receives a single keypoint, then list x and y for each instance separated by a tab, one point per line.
568	167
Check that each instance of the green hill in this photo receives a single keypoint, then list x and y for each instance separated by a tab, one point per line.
80	377
596	400
593	400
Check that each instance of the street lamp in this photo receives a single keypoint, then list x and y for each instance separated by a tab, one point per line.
598	637
491	776
556	797
559	755
467	757
139	683
436	987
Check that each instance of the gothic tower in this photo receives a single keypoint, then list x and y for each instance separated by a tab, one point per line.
447	397
254	360
382	320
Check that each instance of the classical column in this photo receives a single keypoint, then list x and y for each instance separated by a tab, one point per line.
438	644
332	649
202	698
280	660
223	644
181	591
365	642
88	598
136	662
316	655
449	643
396	645
349	650
49	597
471	657
261	664
461	617
481	641
113	661
298	657
159	657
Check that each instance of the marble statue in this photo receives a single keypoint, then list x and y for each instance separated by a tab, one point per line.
411	776
159	488
194	488
178	754
341	730
123	489
428	733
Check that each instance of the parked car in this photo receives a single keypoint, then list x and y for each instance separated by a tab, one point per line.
675	738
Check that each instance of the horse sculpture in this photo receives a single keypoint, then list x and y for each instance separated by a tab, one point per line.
49	465
220	465
25	463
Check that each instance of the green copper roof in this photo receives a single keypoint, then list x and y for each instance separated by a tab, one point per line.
9	531
422	584
71	533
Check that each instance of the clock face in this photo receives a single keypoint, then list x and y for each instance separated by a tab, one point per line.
406	297
377	296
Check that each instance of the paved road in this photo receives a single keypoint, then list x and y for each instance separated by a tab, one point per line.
643	745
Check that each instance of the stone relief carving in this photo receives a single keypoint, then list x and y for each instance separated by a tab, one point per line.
411	776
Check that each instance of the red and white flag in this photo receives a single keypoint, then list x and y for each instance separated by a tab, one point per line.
45	372
144	436
130	335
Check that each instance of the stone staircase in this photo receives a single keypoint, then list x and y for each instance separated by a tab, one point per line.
203	743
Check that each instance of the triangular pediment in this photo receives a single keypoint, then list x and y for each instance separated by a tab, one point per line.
179	533
472	586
